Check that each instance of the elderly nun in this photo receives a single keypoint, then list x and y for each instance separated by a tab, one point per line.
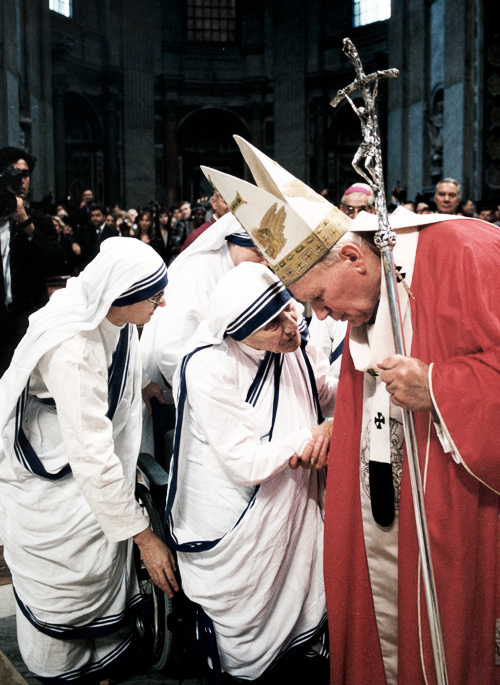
248	528
70	412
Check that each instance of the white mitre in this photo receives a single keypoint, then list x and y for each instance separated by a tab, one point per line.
273	178
292	226
291	234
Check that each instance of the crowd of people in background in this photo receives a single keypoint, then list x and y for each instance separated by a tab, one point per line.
82	229
59	242
447	200
170	230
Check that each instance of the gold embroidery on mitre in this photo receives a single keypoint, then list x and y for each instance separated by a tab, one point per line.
237	202
334	222
313	248
271	234
296	188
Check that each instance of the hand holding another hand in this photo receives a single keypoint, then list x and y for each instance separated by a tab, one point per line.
315	453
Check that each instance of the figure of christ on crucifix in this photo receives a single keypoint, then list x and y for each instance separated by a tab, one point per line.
367	160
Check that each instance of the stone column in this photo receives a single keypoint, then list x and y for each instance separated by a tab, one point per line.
59	145
491	118
257	125
170	160
111	157
140	35
319	171
290	108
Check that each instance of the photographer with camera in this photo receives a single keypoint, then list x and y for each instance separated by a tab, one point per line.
29	250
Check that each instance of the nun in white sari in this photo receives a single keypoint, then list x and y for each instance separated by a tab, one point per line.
70	421
248	528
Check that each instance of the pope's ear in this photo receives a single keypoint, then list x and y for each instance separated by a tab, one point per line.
350	252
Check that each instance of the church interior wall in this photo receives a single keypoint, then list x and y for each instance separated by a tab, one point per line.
453	130
436	101
25	84
290	122
132	62
416	124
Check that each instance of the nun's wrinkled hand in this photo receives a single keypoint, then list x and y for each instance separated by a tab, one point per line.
158	560
315	454
152	390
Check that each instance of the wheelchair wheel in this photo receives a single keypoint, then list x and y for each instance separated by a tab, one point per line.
155	640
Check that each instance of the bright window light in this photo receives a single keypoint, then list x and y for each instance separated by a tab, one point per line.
368	11
61	7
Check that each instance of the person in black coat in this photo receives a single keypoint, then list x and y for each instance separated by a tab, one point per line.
30	251
88	238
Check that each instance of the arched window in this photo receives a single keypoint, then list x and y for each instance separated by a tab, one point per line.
368	11
64	7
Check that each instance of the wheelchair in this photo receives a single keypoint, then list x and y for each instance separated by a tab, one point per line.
154	635
167	630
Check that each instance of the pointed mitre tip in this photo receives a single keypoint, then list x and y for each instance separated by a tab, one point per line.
245	147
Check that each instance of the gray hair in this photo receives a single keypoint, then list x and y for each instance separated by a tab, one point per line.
333	256
448	180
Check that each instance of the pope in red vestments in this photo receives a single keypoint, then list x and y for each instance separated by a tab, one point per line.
455	315
450	380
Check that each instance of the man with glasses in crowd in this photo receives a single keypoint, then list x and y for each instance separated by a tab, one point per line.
357	198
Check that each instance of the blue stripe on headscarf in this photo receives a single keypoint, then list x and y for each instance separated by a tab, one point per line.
242	239
118	371
143	289
271	302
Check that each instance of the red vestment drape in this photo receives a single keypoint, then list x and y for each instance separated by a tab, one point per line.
456	326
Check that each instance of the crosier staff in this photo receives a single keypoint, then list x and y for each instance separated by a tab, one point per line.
369	155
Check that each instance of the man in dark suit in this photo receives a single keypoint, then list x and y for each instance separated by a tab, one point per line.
30	251
88	239
81	216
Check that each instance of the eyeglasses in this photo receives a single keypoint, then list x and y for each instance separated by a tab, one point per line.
354	211
157	302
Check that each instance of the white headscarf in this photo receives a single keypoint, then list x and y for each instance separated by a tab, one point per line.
211	240
244	300
124	272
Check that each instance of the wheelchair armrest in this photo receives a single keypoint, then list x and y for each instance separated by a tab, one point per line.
152	469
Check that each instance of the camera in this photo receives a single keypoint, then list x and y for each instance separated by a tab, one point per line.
11	176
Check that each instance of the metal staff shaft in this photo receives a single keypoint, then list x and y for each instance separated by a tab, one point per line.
416	488
369	153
